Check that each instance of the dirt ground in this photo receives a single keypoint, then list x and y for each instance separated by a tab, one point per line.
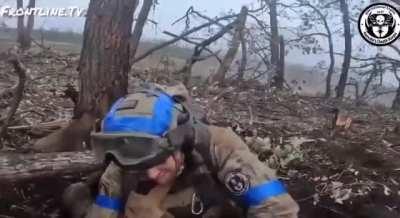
332	173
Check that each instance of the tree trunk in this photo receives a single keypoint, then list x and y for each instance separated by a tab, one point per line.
331	69
373	74
243	62
274	43
103	68
280	76
104	63
233	49
356	90
347	51
20	25
28	30
19	167
396	101
332	62
140	23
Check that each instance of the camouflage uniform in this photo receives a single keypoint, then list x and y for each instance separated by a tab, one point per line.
221	166
224	168
235	171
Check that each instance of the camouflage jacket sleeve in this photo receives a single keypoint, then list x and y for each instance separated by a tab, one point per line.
108	202
247	179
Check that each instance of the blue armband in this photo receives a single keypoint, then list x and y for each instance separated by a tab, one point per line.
109	203
258	194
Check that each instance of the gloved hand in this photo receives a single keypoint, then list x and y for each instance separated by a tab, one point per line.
192	135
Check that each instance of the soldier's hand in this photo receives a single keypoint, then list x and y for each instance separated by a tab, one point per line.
192	136
181	136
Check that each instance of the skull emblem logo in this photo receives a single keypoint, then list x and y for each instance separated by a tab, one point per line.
379	24
380	20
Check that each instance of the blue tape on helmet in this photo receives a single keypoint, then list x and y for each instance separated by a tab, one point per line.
158	124
257	195
107	202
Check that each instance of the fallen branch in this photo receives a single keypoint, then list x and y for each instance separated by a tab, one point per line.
18	93
187	69
19	167
20	113
47	125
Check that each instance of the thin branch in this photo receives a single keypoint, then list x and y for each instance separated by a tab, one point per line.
396	73
195	43
356	58
307	35
186	16
172	41
18	94
263	56
209	19
362	66
377	94
330	3
261	24
293	5
353	20
199	49
263	7
395	48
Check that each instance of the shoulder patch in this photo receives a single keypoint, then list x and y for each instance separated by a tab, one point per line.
237	183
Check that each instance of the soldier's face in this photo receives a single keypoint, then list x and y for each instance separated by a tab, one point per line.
166	172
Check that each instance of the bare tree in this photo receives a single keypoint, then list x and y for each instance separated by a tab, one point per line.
20	70
307	33
233	49
274	43
367	84
341	87
280	76
141	21
323	18
103	70
243	62
396	101
187	69
29	27
25	33
20	24
395	66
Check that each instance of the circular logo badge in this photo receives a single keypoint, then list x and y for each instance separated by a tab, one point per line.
237	183
379	24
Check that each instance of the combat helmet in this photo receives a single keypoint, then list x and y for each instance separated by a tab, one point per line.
133	132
